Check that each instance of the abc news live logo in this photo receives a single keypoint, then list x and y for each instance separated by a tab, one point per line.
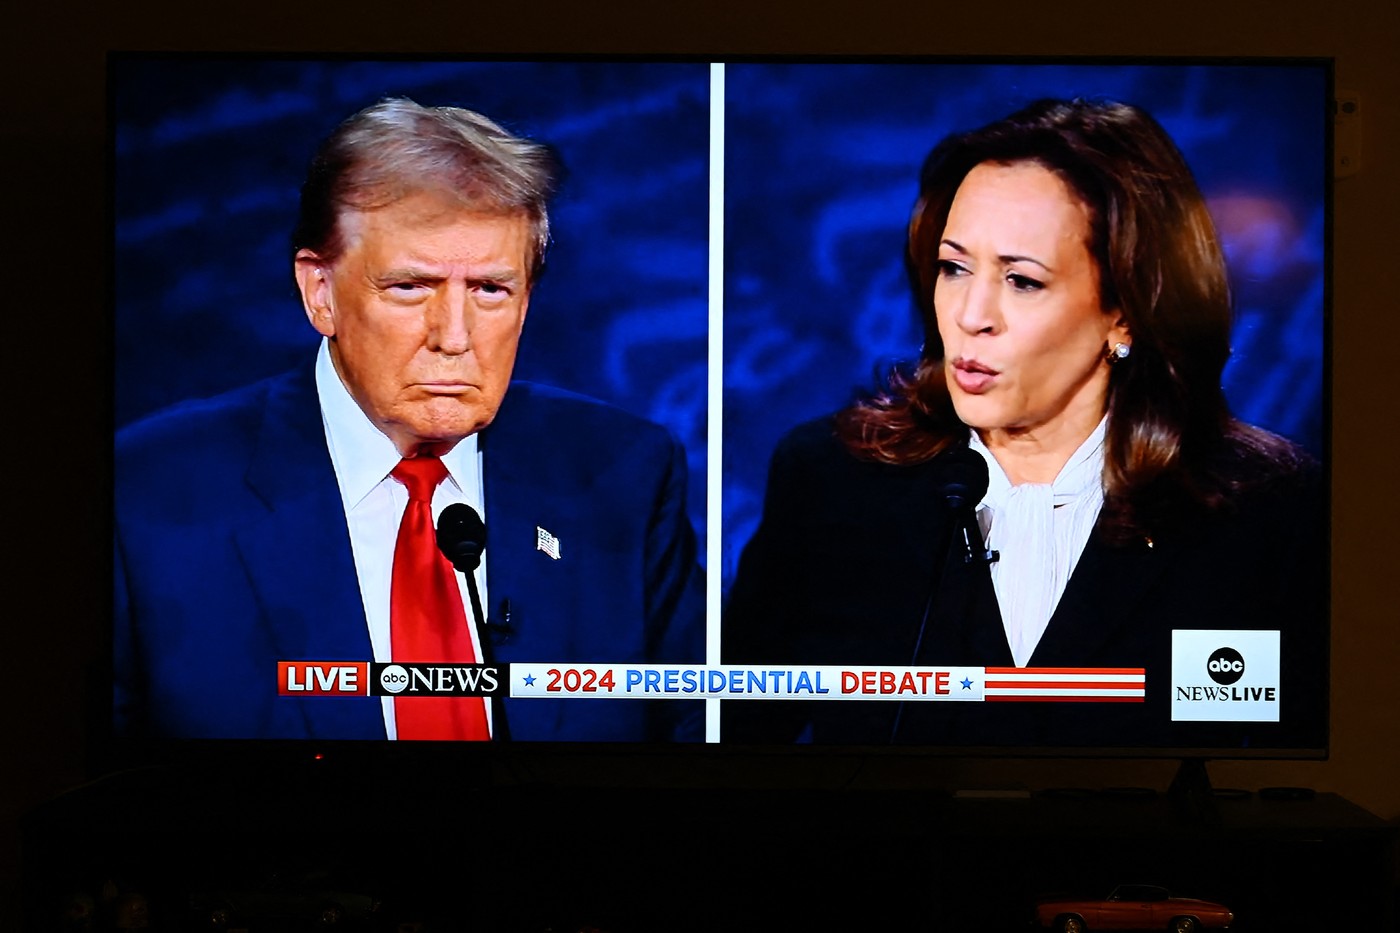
1225	676
375	679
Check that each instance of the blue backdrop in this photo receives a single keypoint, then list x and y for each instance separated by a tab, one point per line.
821	170
208	161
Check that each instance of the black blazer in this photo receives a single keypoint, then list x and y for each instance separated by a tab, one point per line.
852	564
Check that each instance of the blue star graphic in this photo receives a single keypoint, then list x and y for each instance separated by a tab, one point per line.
529	680
967	683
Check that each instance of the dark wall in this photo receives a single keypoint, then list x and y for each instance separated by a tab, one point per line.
56	373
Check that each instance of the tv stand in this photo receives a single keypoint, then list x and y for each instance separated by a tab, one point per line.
1192	798
530	857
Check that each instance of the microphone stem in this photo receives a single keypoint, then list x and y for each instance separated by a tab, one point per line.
500	728
478	620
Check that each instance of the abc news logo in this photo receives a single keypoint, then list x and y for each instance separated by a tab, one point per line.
439	680
361	678
1226	666
1225	675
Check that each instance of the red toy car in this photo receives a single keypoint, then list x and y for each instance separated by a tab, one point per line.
1133	907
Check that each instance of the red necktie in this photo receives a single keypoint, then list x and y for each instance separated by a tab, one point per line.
426	621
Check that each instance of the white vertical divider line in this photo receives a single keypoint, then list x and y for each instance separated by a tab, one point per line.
714	463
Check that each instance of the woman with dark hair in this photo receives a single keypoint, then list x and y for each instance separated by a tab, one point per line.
1077	320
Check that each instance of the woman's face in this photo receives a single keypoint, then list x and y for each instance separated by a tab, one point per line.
1017	301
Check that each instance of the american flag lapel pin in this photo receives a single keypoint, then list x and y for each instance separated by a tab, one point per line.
544	541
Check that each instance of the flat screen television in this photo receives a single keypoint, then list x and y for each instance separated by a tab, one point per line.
730	260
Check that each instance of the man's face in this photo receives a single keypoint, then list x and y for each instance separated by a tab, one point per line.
424	309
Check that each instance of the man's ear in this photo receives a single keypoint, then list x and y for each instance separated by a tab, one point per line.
314	283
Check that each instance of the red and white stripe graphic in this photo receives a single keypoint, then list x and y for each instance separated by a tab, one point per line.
1066	684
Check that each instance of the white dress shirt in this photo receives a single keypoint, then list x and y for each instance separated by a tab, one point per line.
1040	530
374	505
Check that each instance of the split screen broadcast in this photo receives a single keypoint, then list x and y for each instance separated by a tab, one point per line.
949	404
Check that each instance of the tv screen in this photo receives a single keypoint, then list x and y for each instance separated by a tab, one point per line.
950	405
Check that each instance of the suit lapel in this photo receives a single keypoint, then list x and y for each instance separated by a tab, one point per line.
964	623
298	558
1100	601
525	492
520	500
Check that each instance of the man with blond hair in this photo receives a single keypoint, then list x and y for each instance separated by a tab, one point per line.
286	520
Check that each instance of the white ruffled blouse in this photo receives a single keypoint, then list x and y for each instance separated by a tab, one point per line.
1040	529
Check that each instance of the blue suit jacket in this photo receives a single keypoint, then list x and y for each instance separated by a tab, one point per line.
232	552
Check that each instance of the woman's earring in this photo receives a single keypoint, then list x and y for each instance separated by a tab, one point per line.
1119	352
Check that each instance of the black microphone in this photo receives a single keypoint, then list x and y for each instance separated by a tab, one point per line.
965	478
461	536
964	483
